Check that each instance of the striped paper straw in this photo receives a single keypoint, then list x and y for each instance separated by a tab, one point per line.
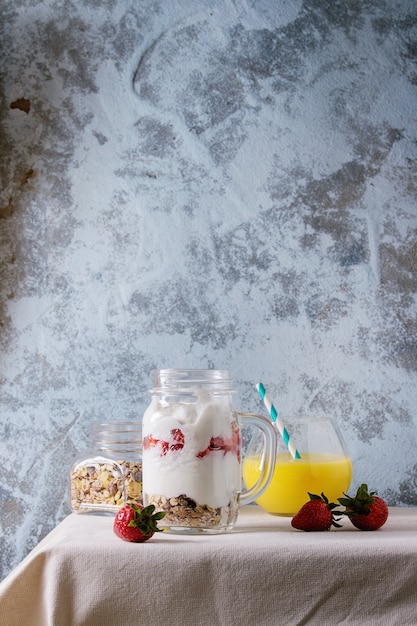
277	420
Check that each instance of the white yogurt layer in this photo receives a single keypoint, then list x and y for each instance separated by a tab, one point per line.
213	479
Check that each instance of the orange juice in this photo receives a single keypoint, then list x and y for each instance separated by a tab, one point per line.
294	478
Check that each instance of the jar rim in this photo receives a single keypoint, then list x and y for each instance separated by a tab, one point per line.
116	435
116	427
188	378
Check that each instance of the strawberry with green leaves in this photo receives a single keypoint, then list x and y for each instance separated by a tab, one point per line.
316	514
365	510
136	523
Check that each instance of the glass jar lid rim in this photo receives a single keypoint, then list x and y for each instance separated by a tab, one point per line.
117	426
187	379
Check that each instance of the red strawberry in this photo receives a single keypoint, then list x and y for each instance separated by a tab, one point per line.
366	510
150	441
231	444
317	514
136	523
178	437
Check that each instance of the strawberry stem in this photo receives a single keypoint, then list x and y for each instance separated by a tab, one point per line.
145	519
330	505
360	504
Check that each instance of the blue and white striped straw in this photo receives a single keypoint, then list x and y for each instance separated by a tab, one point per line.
278	421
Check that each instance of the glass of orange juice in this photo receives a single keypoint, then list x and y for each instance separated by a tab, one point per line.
324	466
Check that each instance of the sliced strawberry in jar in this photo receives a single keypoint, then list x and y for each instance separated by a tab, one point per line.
217	443
149	441
178	437
164	447
220	444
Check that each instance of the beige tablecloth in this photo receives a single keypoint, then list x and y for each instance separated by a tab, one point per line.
263	573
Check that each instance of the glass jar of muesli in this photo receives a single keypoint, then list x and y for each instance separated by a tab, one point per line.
109	474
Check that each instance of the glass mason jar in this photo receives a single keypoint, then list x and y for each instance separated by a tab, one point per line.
192	451
109	474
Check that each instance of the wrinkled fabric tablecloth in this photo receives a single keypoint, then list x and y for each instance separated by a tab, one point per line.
262	573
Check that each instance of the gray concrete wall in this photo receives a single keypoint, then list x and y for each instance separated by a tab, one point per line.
204	183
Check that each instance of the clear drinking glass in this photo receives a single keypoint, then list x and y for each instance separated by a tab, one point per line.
324	466
192	451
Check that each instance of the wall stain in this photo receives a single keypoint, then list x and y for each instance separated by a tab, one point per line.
8	210
23	104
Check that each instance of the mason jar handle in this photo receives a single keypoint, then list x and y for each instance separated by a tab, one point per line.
269	453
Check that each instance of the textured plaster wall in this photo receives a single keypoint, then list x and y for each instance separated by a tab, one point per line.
205	184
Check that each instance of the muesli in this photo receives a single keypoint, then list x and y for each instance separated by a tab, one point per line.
184	511
105	485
